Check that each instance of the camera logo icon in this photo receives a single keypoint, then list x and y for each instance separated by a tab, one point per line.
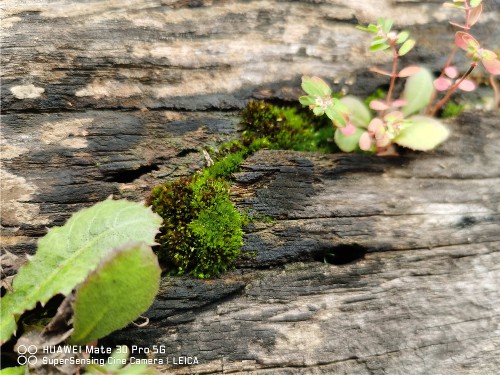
27	355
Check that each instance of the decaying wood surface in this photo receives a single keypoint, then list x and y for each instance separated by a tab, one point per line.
113	97
412	287
110	97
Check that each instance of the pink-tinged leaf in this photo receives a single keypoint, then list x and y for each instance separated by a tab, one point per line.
399	103
375	125
383	141
486	54
466	41
492	66
380	71
467	85
408	71
349	129
378	105
474	14
457	25
365	141
451	71
442	84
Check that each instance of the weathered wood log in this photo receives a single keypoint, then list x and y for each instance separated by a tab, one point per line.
88	88
370	265
112	97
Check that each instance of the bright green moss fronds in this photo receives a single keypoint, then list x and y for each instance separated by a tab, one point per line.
272	127
201	233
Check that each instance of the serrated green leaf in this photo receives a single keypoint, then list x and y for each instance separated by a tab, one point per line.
67	254
358	112
406	47
423	133
20	370
315	86
348	143
116	293
418	91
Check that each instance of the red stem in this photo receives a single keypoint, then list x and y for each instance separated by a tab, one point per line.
452	89
394	73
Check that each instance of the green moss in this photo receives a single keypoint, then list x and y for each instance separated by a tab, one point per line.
201	233
452	109
273	127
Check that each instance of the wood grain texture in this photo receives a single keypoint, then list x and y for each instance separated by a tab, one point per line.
113	97
411	281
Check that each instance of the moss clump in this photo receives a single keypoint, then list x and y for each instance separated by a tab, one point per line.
272	127
201	233
452	109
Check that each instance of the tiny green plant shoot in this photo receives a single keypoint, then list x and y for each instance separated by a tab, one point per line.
408	121
102	262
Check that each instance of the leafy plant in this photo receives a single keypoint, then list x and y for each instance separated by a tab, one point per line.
103	252
410	120
117	292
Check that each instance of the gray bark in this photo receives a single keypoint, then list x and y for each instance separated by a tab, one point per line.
113	97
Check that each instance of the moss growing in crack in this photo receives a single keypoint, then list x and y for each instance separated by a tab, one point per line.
452	109
202	231
272	127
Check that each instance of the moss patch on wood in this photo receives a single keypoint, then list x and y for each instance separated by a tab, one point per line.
202	230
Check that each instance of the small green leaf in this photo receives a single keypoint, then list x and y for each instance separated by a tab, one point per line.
348	143
418	91
378	40
20	370
318	111
117	292
358	112
402	37
423	133
370	28
307	100
387	25
475	3
406	47
67	254
335	115
315	86
379	47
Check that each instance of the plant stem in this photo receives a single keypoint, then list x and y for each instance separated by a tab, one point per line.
452	89
394	73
